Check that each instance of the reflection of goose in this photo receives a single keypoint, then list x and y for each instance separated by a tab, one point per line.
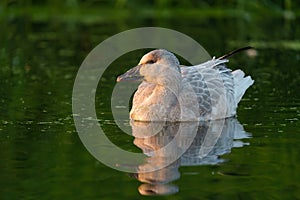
171	92
171	145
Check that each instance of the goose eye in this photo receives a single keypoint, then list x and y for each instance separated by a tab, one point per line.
150	62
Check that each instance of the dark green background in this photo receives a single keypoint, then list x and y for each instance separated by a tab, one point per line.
42	45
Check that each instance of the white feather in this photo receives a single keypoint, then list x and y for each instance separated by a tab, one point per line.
241	84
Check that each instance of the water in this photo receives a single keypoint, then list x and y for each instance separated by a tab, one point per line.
42	156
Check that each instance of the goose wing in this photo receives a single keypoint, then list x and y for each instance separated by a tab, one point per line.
212	83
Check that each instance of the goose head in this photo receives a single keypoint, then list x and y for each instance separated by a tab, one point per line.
158	66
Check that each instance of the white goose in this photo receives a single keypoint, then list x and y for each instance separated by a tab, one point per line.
172	92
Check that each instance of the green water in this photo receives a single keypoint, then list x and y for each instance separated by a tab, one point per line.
41	155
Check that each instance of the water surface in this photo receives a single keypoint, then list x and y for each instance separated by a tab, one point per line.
42	156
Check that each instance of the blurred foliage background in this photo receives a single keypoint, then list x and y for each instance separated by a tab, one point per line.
264	23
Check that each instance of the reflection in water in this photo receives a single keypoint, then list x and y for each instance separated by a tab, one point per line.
171	145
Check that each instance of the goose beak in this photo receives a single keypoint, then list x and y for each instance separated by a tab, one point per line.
131	75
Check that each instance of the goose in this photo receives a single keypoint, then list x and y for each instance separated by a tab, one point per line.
172	92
